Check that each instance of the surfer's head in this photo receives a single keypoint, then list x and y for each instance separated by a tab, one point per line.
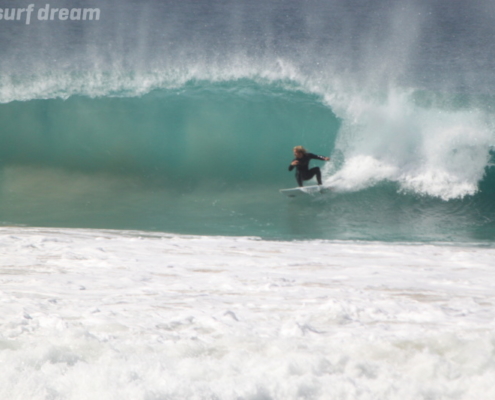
299	151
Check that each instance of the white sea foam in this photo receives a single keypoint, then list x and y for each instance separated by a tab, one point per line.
430	151
133	315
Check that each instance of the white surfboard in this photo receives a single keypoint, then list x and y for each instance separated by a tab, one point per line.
305	191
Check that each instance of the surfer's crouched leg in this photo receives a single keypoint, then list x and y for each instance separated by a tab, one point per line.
317	173
299	179
312	172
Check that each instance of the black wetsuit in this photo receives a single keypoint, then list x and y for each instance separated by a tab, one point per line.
303	173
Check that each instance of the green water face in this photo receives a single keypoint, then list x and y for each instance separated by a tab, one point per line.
228	132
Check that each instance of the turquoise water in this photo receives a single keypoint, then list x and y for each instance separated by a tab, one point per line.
169	128
208	158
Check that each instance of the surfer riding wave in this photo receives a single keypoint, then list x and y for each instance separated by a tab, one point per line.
301	163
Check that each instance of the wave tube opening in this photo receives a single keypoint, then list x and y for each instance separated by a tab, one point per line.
202	158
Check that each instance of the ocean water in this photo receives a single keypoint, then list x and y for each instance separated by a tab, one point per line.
182	118
135	144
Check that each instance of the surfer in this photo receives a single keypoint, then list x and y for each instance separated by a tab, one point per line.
301	163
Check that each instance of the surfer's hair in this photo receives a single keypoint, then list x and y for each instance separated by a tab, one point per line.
300	149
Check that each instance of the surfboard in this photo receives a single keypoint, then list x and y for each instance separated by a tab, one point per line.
305	191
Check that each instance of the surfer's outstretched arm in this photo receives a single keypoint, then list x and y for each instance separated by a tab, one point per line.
315	157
